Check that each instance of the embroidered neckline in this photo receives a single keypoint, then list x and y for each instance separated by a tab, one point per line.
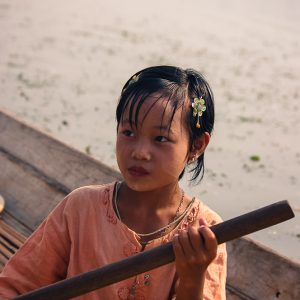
159	233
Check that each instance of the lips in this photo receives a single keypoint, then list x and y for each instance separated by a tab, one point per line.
138	171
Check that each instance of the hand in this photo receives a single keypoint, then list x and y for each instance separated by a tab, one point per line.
194	250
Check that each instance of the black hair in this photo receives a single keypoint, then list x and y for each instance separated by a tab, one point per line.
178	85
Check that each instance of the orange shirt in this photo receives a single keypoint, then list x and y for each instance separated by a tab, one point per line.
83	233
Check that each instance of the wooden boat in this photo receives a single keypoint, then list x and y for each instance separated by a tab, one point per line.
37	171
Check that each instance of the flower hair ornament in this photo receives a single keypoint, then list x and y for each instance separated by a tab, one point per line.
133	79
198	108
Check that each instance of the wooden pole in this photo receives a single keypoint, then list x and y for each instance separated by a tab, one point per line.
156	257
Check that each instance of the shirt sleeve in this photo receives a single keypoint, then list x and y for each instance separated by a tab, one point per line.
42	260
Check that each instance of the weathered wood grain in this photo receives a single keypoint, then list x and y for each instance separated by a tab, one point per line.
10	241
261	273
38	197
13	237
37	170
21	230
51	157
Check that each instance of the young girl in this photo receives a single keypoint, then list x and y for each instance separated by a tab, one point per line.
165	116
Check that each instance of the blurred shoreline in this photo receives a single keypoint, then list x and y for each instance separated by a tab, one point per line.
62	67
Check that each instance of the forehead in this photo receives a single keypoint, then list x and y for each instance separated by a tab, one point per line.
159	109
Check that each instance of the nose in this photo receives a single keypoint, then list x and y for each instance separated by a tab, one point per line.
141	151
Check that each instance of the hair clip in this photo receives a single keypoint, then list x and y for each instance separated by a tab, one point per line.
198	109
134	79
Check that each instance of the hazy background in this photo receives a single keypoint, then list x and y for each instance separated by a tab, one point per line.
63	64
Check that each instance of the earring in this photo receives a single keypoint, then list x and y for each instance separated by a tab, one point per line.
193	158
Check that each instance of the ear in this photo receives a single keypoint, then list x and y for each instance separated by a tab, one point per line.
199	146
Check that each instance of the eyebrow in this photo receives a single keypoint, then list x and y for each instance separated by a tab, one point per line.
165	128
160	127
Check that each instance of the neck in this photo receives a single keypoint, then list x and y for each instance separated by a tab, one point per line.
165	197
147	212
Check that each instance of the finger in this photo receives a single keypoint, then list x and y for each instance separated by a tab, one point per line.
185	242
210	241
202	223
178	251
195	238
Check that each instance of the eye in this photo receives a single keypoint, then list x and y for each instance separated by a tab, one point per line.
161	139
128	133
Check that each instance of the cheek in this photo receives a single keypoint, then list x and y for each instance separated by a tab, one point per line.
123	150
177	159
180	160
119	148
173	165
184	149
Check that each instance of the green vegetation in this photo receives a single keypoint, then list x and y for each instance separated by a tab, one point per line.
254	158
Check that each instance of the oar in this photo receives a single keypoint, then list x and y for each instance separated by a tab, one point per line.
156	257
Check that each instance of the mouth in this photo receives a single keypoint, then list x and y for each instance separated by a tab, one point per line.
138	171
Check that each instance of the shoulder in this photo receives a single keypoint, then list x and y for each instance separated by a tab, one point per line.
83	205
86	197
85	193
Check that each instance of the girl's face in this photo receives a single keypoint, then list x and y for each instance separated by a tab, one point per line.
152	153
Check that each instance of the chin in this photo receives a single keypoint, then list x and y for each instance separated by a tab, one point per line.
139	185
